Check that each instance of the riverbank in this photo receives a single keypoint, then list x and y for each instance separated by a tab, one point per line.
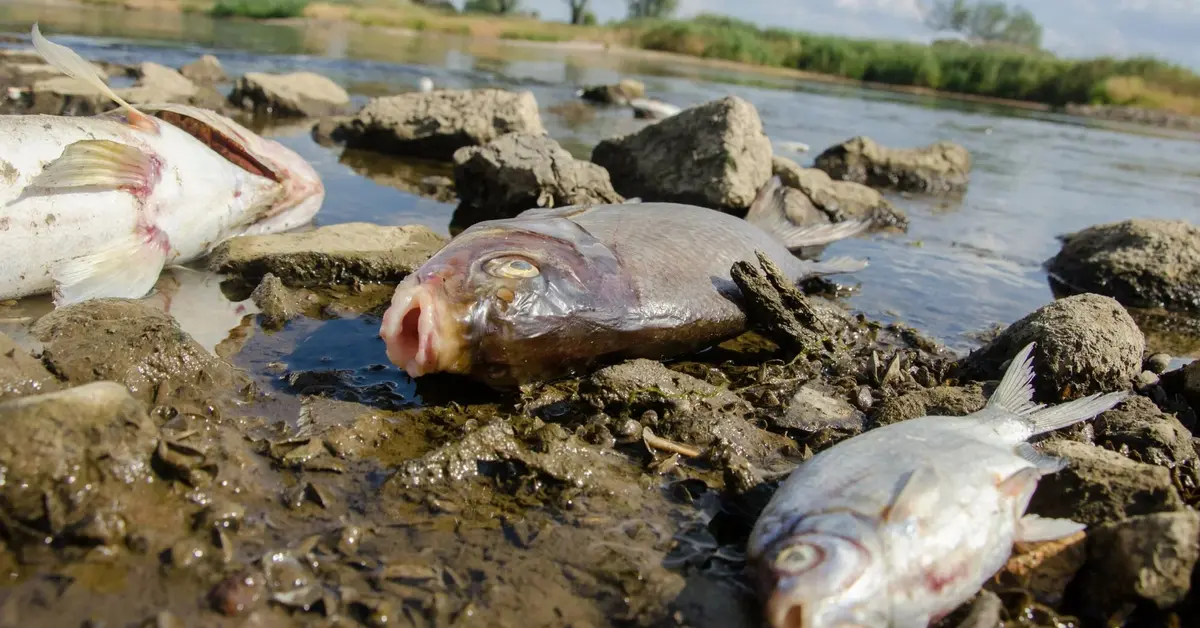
1169	95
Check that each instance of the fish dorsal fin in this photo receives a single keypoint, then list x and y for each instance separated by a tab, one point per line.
68	62
918	493
768	213
1015	393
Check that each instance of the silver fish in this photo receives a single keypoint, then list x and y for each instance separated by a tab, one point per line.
900	525
553	290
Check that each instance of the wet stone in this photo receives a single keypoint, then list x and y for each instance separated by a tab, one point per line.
237	594
1148	557
295	94
833	200
135	344
939	168
68	455
342	253
1044	569
1100	486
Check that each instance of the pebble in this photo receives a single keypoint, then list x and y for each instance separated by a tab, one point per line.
1158	363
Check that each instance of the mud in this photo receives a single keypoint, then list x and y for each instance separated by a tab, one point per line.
149	482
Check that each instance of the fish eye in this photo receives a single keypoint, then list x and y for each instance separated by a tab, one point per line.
797	558
511	268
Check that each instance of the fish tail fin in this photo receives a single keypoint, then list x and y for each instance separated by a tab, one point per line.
1015	396
70	63
768	213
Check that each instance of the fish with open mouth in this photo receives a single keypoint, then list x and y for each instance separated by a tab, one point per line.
97	206
551	291
900	525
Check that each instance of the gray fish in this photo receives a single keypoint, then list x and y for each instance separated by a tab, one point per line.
900	525
552	291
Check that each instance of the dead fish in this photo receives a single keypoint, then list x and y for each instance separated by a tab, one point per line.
900	525
97	206
551	291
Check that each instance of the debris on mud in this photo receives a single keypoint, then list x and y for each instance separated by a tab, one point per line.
20	373
729	157
520	171
940	168
1146	263
342	253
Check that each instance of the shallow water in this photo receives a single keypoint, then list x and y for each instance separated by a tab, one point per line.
963	266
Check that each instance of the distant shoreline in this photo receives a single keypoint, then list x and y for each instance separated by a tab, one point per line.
606	40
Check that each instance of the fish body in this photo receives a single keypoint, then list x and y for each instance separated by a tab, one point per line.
553	290
900	525
98	206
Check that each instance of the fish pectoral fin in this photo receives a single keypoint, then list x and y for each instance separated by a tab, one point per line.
1035	529
1045	463
127	269
917	493
70	63
101	163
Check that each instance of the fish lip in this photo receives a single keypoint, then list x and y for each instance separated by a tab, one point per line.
436	342
781	611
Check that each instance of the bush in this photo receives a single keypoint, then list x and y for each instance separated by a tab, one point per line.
259	9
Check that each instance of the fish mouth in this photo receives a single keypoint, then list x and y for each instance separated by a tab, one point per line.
420	333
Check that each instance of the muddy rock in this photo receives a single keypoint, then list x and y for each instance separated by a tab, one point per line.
1044	569
940	168
1141	431
1143	263
135	344
1148	557
937	401
1086	344
67	96
279	304
679	407
60	451
342	253
159	84
619	94
1099	486
713	155
833	200
520	171
436	124
297	94
20	373
206	70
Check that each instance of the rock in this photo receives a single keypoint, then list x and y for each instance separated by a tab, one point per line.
20	373
835	200
1148	557
329	131
67	96
1099	486
1145	263
135	344
982	611
343	253
297	94
938	401
160	84
436	124
1044	569
206	70
61	452
714	155
1141	431
1185	381
651	109
1158	363
520	171
278	303
940	168
1086	344
27	73
619	94
813	409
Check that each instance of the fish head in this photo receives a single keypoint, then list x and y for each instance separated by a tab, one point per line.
825	576
504	299
301	194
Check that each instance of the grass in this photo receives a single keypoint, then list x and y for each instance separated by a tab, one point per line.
259	9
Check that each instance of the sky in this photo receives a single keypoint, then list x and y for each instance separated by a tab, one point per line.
1165	28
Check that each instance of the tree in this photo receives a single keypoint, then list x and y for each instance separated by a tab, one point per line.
986	21
498	7
652	8
579	8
